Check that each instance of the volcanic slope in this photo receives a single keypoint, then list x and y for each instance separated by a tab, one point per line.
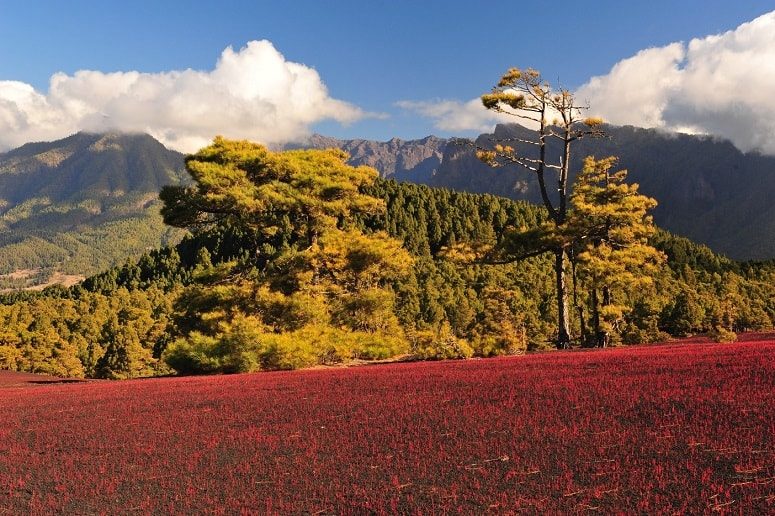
81	204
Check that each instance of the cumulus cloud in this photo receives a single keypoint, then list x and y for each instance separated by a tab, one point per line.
456	116
252	93
720	85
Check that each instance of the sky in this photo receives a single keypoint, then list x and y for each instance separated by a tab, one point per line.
276	71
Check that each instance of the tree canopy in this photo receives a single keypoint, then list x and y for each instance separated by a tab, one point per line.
244	184
314	283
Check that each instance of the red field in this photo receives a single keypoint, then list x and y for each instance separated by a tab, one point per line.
688	428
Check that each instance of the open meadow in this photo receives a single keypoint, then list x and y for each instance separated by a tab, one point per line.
647	429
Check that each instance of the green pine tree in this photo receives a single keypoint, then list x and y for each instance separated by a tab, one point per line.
610	226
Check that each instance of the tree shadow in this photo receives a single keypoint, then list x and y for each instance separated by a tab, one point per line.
52	382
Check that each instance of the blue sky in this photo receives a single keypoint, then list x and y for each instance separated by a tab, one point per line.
369	54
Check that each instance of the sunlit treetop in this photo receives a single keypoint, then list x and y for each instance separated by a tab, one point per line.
245	183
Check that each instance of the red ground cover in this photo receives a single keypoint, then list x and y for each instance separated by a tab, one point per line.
648	429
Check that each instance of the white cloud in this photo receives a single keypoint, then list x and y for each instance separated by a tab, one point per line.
457	116
721	85
253	93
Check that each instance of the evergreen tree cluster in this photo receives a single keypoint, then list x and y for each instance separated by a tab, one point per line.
327	272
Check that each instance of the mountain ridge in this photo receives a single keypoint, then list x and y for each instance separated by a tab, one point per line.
89	201
82	203
416	161
707	189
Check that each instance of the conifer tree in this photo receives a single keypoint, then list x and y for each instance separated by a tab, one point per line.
244	184
552	115
314	288
610	226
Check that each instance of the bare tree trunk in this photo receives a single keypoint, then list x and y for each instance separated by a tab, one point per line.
584	334
596	317
605	337
579	309
563	333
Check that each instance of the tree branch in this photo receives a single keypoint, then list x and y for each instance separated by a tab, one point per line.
514	139
504	261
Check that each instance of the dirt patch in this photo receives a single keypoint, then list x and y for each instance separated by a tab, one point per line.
16	379
56	278
20	274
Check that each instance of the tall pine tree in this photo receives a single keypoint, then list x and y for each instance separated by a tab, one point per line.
313	289
610	226
552	114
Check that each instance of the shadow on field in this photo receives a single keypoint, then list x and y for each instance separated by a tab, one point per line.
54	382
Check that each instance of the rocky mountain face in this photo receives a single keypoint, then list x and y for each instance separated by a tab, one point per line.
81	204
707	190
404	160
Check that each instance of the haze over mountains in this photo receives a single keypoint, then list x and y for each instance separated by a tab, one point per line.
81	204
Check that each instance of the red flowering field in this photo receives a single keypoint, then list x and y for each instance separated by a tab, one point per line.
648	429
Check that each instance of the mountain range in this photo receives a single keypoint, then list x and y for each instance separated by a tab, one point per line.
81	204
76	206
416	161
707	189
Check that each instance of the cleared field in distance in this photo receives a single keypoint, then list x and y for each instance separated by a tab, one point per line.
677	427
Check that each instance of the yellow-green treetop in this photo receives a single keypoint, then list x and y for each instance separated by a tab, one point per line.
322	294
552	114
245	183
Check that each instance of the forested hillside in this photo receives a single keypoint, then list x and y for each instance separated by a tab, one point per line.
707	189
75	207
199	297
82	204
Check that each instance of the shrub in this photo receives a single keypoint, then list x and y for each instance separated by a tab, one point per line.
632	334
512	342
721	334
246	345
440	344
379	346
292	350
8	357
193	355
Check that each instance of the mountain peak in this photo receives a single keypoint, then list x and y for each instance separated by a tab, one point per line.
404	160
61	199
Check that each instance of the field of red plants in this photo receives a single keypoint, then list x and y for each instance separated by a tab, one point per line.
687	428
